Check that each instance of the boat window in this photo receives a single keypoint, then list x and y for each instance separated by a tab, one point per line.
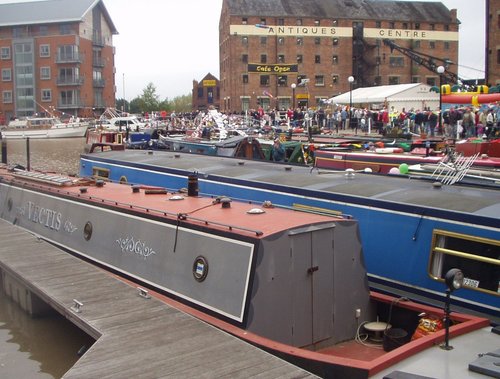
478	258
100	173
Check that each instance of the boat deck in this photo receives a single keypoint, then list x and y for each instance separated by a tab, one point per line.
137	337
370	189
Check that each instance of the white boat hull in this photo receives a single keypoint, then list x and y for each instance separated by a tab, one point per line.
66	131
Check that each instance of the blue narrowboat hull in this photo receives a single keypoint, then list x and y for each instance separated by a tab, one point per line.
400	218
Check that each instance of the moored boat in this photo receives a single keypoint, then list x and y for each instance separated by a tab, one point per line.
411	228
49	127
288	281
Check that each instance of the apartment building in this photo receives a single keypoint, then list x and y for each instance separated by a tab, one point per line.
56	56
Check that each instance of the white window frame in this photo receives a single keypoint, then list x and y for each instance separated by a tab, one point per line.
47	69
6	94
5	53
6	75
46	91
44	51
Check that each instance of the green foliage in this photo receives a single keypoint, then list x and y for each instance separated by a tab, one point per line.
149	102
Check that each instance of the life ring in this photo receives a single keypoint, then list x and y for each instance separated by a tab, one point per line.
123	179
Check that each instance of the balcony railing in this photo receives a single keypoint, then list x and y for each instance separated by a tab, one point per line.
98	40
98	62
69	58
69	81
100	83
69	104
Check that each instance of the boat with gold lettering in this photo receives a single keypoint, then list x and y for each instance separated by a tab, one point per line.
414	227
290	281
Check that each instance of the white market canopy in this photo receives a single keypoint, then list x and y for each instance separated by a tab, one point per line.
412	95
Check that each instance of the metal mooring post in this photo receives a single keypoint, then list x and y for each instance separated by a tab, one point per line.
28	165
4	149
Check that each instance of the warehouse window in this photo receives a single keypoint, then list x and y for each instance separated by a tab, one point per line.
319	81
394	80
396	61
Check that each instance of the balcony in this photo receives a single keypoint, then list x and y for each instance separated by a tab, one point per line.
99	83
69	104
98	40
98	62
69	58
69	81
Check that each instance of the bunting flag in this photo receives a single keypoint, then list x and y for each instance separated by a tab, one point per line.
266	93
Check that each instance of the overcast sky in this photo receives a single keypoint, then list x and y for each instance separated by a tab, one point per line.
171	43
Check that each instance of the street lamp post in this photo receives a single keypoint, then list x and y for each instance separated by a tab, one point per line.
293	95
350	79
440	71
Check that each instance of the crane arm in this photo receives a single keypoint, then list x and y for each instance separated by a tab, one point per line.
426	60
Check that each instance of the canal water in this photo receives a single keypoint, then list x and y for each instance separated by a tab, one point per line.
44	347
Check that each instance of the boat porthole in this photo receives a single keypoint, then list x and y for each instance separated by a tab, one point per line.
200	268
87	231
123	180
9	204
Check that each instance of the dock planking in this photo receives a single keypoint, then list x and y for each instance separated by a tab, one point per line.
135	336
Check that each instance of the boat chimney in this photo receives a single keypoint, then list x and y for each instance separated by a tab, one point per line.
225	202
193	184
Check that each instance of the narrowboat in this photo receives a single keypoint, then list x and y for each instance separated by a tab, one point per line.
413	228
289	281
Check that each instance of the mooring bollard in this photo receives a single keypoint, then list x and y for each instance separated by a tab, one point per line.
28	164
4	149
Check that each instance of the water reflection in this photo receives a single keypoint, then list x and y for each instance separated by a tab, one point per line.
40	348
58	155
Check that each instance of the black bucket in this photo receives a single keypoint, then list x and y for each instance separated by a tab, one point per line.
394	338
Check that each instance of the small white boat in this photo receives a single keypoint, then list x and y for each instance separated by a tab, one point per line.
44	127
113	120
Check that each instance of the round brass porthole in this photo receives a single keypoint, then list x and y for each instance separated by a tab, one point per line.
123	179
200	268
87	231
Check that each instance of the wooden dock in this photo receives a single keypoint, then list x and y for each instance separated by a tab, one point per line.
136	336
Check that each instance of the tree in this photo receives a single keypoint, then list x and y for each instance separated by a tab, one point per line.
150	98
122	104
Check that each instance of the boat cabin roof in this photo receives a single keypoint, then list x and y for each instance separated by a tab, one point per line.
220	213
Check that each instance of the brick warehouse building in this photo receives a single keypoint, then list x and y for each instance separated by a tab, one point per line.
492	42
285	53
56	55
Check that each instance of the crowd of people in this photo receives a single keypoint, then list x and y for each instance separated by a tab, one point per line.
456	122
